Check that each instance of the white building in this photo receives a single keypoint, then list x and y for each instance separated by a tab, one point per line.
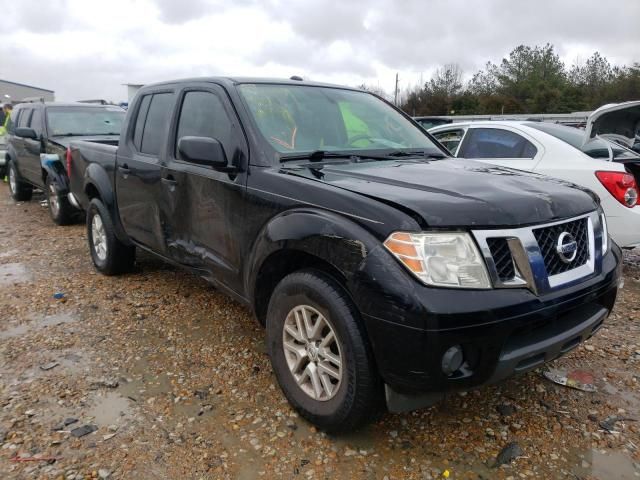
12	92
132	88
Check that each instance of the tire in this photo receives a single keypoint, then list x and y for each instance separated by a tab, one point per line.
355	394
20	191
110	256
60	210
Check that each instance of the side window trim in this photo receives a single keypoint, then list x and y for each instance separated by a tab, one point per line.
464	143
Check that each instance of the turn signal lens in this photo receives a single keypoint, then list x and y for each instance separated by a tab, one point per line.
605	233
621	185
440	259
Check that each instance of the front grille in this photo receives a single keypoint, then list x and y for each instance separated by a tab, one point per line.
501	254
547	238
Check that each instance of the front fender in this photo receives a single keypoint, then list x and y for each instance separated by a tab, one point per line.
323	234
54	168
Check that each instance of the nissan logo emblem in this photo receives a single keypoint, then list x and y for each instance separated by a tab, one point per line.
567	247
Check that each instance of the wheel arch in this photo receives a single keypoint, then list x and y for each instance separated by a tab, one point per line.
304	239
97	184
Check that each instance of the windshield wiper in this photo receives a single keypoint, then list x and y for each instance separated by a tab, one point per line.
405	154
317	156
320	155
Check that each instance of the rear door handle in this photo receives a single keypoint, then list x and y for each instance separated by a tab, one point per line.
170	182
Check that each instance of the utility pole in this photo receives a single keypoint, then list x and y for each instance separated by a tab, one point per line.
395	100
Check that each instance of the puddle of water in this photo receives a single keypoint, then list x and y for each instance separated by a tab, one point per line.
607	465
109	408
146	386
46	321
13	273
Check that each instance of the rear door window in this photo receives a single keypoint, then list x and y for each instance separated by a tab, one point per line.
496	143
140	119
25	116
203	115
36	121
157	123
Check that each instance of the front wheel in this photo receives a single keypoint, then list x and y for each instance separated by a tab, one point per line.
319	352
20	191
60	210
110	256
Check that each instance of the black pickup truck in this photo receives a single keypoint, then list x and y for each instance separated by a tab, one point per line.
38	137
382	269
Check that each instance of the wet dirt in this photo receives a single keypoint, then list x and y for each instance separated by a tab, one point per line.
13	273
175	378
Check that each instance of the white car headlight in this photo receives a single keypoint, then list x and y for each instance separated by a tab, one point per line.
440	259
605	233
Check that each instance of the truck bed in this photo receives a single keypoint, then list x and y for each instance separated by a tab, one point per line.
83	154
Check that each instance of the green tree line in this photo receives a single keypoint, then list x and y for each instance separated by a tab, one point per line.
528	80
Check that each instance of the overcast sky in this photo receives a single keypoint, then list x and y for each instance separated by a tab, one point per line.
88	48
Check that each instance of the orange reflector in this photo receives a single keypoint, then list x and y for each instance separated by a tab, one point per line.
406	249
413	265
405	252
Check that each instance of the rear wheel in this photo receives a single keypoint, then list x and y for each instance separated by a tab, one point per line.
60	210
320	354
110	256
20	190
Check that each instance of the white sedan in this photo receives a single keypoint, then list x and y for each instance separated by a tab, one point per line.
609	169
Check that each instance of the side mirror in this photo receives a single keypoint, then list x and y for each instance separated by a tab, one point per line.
203	151
26	132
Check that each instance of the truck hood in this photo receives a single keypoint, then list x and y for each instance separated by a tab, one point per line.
617	121
457	192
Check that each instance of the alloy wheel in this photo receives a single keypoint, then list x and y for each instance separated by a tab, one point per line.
99	237
12	179
54	203
313	352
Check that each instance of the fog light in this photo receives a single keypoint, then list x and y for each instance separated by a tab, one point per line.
452	360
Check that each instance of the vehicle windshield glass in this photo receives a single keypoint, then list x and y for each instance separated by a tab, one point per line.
296	119
595	148
84	120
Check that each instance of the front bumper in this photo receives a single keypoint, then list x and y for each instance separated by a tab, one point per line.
501	331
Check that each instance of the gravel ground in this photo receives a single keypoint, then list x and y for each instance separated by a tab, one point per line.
171	380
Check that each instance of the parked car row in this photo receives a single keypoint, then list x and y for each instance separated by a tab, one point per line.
39	135
384	271
590	158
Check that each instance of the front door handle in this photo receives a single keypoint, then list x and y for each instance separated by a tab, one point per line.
124	169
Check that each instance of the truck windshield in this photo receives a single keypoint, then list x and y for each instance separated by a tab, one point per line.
296	119
84	120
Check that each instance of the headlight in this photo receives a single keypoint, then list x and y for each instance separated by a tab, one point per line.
440	259
605	234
